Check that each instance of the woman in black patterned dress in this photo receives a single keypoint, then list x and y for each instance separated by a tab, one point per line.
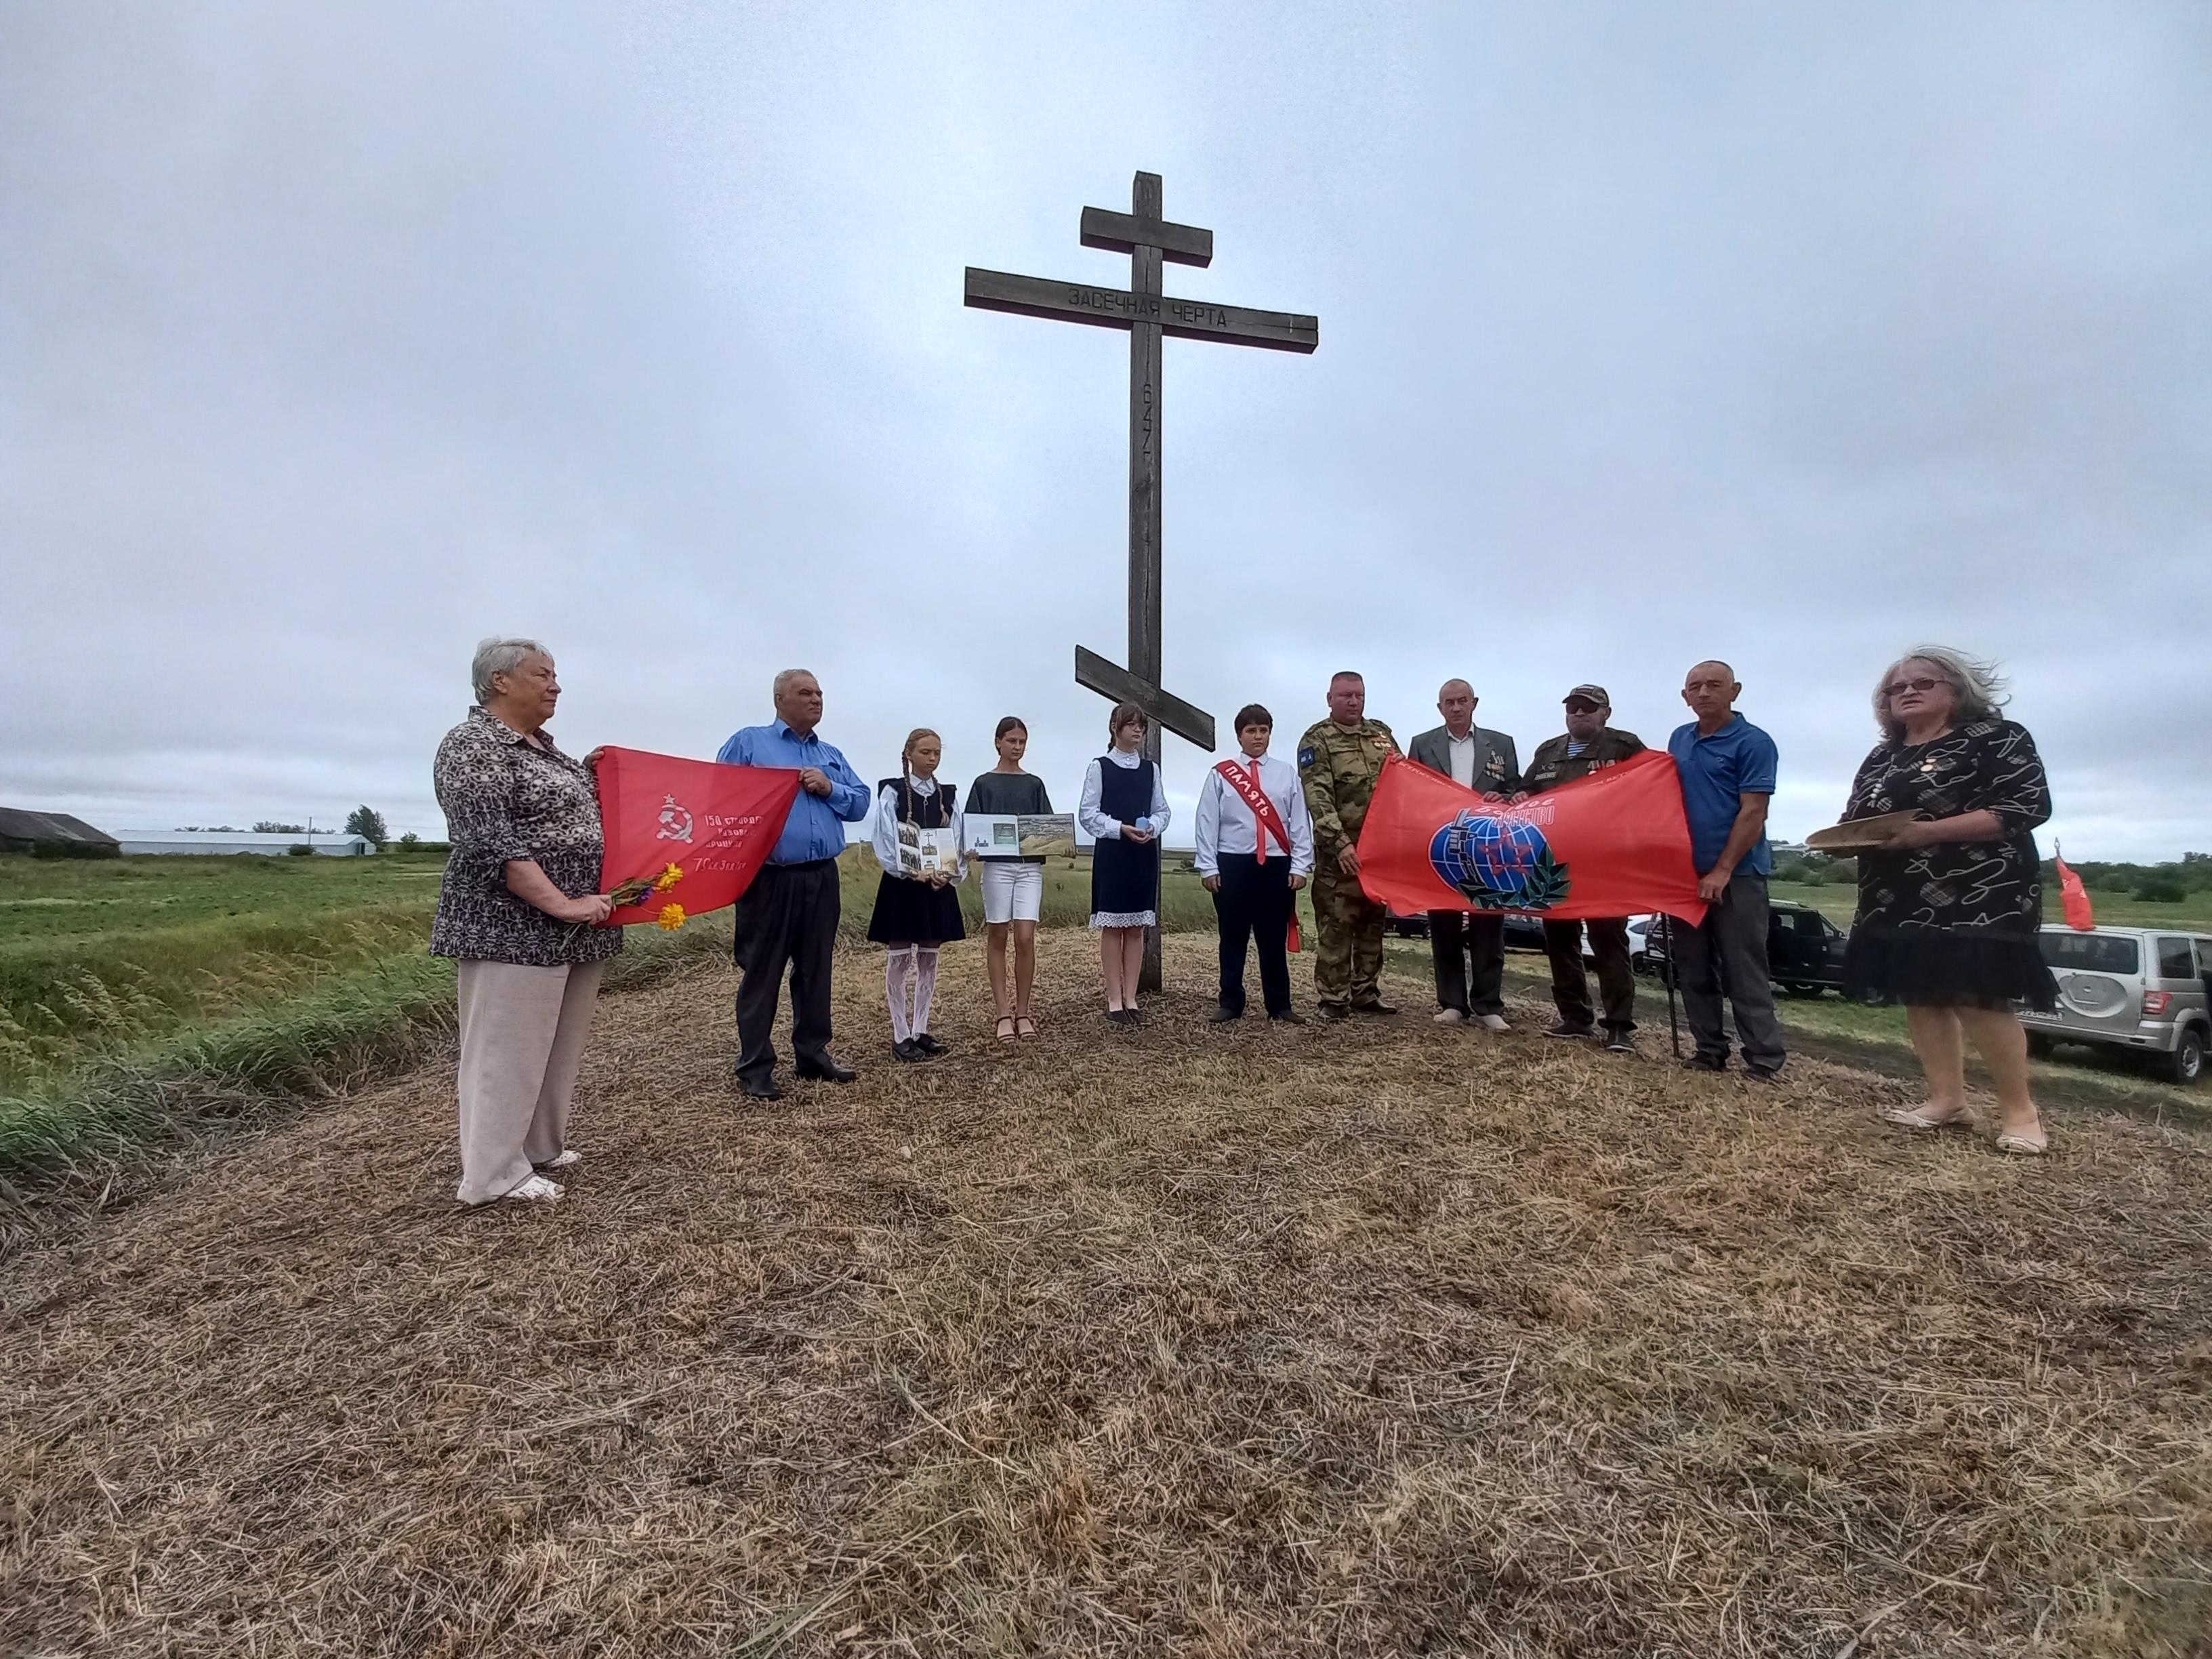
1951	909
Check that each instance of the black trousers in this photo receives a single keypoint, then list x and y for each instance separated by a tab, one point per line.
787	918
1254	904
1470	949
1731	943
1616	974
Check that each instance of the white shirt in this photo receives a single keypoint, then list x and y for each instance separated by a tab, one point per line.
1463	758
1103	827
1226	824
884	839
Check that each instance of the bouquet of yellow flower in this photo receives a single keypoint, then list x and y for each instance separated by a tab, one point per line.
638	889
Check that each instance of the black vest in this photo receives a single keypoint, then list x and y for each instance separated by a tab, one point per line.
930	811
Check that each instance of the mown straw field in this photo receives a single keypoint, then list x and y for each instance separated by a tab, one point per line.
1249	1341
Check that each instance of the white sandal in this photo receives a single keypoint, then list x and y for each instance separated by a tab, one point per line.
1915	1117
2023	1146
536	1190
567	1159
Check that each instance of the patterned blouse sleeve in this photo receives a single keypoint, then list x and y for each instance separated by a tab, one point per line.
2012	784
472	790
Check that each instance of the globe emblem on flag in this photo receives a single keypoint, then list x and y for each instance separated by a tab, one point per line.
1498	863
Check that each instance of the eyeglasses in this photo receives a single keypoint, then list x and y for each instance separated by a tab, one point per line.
1922	686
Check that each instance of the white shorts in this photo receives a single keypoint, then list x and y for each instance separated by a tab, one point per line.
1012	891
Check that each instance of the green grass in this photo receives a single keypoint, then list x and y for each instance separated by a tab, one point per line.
99	959
2115	908
138	993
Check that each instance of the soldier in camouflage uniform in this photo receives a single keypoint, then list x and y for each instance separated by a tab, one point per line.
1339	761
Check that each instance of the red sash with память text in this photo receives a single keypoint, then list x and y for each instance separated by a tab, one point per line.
1248	789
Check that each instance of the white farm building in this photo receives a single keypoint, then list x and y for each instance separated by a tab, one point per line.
136	842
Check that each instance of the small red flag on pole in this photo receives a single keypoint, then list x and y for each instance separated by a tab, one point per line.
2073	895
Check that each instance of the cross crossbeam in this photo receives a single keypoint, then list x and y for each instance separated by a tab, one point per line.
1149	316
1116	307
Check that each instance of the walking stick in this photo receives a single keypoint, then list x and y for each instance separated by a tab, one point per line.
1673	1029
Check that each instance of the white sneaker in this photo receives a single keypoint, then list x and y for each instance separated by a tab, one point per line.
566	1160
536	1190
1493	1022
1448	1016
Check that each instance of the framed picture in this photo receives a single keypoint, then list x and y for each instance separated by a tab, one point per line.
1047	833
991	835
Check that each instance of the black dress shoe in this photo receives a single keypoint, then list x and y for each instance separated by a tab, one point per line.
930	1046
1289	1017
907	1049
828	1071
1222	1016
767	1091
1376	1007
1704	1063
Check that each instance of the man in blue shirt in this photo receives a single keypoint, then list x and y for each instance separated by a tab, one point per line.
1727	766
789	917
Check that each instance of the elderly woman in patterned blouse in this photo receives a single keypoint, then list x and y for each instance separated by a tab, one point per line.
519	907
1950	911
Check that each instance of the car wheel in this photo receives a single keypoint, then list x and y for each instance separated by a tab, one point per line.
2186	1063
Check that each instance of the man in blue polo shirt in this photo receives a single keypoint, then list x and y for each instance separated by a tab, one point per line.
1727	766
789	917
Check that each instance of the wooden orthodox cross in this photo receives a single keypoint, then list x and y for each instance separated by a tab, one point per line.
1148	315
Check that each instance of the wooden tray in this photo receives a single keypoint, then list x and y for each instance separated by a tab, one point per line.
1860	834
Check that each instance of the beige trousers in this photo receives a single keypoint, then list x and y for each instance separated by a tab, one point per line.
522	1039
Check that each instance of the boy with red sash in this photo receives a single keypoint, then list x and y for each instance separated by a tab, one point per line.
1256	849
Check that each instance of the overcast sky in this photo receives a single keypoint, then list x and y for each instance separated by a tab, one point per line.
333	337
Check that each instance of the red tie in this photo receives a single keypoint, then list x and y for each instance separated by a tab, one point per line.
1258	830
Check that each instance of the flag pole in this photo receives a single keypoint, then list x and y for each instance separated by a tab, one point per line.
1673	1027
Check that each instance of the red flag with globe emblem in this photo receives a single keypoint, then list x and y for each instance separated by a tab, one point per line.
713	825
1613	843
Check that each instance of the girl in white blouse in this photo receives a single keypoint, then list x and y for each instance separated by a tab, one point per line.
1125	812
917	909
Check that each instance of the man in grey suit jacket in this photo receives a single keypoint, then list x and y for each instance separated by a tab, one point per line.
1470	949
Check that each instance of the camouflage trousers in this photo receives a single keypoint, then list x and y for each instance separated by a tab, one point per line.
1348	956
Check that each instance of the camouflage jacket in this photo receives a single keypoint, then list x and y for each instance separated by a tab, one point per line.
1551	766
1340	765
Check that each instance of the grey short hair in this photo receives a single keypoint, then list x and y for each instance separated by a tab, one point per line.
786	676
1976	688
498	657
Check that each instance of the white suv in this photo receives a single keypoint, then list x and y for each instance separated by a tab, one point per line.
2129	988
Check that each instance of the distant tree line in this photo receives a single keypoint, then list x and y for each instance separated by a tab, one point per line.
2153	883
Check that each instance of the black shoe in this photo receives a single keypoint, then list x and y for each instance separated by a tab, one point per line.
1222	1016
1375	1007
767	1091
1706	1063
1619	1043
1563	1030
1289	1017
1123	1016
1330	1012
1763	1074
907	1048
930	1046
827	1071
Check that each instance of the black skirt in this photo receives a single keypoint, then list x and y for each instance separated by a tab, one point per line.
909	912
1947	967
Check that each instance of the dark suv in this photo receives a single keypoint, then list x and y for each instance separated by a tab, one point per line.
1804	950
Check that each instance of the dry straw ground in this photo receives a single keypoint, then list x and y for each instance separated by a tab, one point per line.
1244	1342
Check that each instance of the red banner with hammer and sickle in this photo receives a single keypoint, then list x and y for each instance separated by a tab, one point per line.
714	824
